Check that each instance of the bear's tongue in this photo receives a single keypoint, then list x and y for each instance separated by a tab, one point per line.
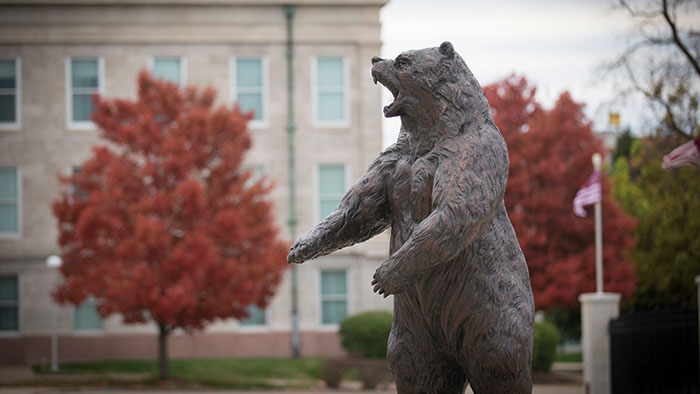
394	108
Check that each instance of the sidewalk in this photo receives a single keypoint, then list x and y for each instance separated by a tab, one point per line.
17	375
537	389
13	374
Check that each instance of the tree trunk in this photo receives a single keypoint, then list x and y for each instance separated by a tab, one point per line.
163	333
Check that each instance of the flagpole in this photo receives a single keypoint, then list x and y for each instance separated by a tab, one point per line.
598	233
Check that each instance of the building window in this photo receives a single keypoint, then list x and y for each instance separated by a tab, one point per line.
9	303
78	193
9	201
257	173
330	85
9	93
257	317
86	316
84	80
249	87
334	297
169	68
331	187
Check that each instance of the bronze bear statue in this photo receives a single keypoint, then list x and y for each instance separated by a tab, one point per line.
463	306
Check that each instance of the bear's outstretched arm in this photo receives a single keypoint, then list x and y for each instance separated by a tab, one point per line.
363	213
468	188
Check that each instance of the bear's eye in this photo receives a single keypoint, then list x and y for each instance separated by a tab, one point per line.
401	62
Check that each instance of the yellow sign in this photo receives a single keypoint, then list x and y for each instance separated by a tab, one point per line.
615	119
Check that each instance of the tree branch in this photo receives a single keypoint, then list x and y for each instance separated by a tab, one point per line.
635	13
670	119
677	39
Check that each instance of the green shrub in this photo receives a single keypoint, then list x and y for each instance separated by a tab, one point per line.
546	341
366	334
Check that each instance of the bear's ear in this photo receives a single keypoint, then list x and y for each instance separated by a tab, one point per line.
447	49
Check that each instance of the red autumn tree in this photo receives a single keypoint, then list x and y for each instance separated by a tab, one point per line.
163	224
550	158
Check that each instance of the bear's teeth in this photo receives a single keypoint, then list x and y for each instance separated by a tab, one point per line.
374	77
387	109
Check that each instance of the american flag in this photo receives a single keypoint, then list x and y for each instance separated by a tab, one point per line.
588	194
688	153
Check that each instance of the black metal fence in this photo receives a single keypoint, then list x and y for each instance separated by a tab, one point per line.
655	352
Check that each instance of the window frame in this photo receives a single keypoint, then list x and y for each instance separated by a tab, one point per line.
72	171
259	172
257	327
183	66
88	331
12	333
70	123
317	185
264	122
18	234
330	124
347	297
17	124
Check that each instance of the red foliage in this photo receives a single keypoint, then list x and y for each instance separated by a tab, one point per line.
550	158
162	223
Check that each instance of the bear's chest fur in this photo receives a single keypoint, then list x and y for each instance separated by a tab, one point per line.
410	196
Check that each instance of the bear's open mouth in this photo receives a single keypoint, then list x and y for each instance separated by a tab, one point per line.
395	108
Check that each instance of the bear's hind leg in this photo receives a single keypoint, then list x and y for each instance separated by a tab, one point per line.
511	385
421	369
491	372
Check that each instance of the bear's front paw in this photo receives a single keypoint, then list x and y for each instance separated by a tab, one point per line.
387	281
299	252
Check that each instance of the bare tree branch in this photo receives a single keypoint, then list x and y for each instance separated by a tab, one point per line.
636	13
671	87
676	38
670	118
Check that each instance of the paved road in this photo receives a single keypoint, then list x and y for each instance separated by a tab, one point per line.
537	389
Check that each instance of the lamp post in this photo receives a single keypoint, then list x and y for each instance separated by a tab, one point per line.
291	152
54	261
598	232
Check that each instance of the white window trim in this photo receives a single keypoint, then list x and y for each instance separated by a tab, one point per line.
257	327
317	185
17	124
18	331
18	234
348	296
265	121
183	67
81	125
315	122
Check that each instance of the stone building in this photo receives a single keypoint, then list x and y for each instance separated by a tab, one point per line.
54	54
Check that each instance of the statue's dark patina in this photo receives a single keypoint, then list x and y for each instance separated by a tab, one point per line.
463	306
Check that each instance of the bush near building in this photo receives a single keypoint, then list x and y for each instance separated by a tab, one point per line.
545	349
366	334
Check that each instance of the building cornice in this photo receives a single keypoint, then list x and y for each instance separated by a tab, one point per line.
194	2
154	24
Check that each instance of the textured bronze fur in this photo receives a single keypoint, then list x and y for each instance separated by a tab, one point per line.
463	306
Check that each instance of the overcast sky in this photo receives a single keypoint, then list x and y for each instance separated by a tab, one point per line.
556	44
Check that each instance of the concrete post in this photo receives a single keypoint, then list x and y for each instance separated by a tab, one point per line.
597	309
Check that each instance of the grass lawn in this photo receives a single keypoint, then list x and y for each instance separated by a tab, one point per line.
228	373
568	358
